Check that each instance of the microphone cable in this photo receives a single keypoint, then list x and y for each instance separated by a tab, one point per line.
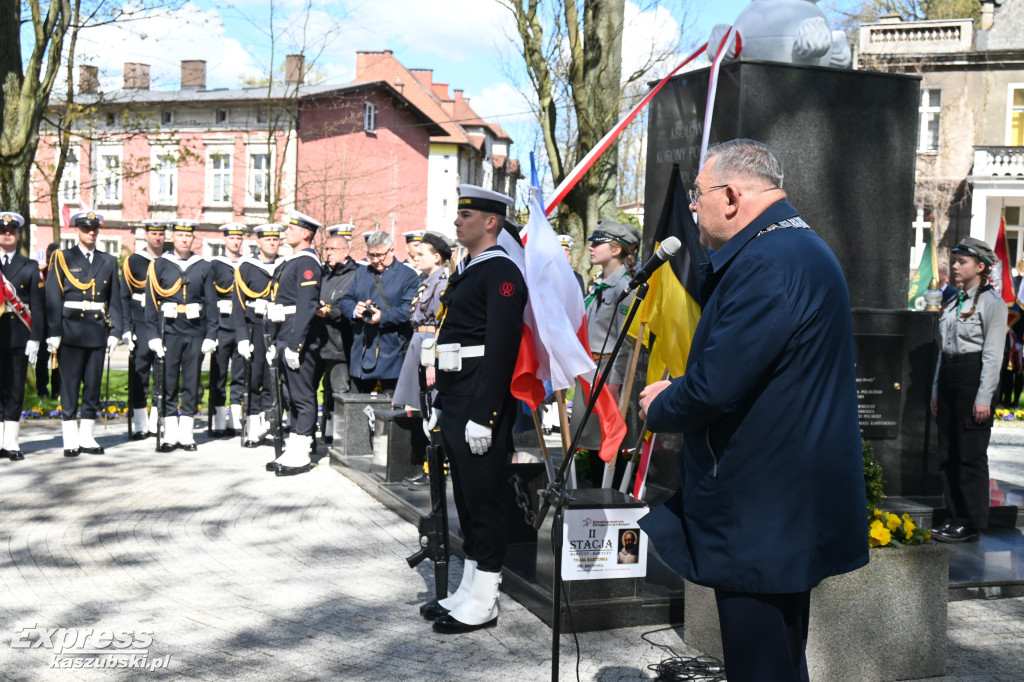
677	668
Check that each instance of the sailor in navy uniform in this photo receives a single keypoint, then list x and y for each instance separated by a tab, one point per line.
296	298
182	299
226	356
339	270
21	329
413	240
476	350
253	281
83	321
133	304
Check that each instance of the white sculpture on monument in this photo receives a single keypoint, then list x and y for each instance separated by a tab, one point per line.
789	31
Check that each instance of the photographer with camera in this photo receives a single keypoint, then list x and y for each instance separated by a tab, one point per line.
378	302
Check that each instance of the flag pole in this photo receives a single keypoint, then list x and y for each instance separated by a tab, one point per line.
627	392
543	446
563	429
631	464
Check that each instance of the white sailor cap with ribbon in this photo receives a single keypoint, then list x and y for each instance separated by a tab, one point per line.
413	236
303	220
340	230
182	225
268	230
87	219
10	218
234	229
566	240
480	199
156	225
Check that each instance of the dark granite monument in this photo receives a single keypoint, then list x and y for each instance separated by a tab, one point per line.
847	140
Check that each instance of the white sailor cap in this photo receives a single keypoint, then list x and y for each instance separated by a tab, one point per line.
87	219
413	236
182	225
474	197
234	229
155	225
566	240
9	218
303	220
340	230
268	230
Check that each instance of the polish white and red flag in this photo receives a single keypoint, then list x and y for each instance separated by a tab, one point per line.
554	345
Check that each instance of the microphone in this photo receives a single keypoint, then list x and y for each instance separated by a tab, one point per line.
668	248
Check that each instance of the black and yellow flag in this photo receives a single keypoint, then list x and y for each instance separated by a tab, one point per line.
672	307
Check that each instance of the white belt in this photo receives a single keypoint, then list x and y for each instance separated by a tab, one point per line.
224	306
471	352
258	306
172	310
277	312
83	305
451	355
139	298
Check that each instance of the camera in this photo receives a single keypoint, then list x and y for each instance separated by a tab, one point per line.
369	312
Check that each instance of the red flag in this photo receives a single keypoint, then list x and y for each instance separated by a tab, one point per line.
65	217
1001	277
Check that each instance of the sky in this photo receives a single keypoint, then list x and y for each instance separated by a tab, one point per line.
468	43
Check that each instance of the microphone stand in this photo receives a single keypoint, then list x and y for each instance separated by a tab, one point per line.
556	495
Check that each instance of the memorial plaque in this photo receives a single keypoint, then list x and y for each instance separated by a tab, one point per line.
879	384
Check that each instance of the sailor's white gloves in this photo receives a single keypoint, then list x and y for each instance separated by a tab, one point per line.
245	349
478	437
157	346
271	354
52	344
291	358
32	351
112	342
429	424
129	340
209	345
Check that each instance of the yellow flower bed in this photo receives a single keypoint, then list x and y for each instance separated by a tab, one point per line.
887	528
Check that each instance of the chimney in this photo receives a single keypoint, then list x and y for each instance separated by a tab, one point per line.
136	76
440	90
88	80
366	60
987	14
193	74
458	96
424	76
294	64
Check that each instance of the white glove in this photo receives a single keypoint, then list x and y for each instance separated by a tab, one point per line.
478	437
112	342
209	345
32	351
129	340
245	349
271	355
53	343
157	346
291	358
429	424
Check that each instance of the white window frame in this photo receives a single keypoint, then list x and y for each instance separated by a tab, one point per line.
222	117
254	175
1010	87
926	113
214	246
70	184
68	239
166	117
106	178
164	176
370	117
106	242
224	174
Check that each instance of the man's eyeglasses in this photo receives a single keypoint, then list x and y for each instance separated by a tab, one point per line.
378	256
696	194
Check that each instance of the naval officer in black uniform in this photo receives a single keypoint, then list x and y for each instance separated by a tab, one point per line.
477	345
182	300
21	329
83	320
134	273
297	340
226	356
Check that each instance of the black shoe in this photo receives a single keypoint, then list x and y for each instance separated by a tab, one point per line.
940	529
168	447
433	611
189	447
250	444
418	482
293	471
14	455
230	432
329	440
449	626
3	454
217	433
98	450
71	453
957	534
273	467
139	435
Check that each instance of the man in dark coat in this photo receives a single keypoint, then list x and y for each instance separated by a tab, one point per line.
339	271
22	315
227	357
379	303
771	498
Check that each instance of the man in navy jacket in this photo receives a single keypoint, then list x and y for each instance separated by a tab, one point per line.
771	497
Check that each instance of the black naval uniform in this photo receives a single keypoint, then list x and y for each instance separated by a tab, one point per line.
83	308
484	305
133	305
337	335
253	280
296	298
178	295
226	356
23	275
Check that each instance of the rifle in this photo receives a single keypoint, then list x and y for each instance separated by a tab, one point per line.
131	380
161	380
276	428
433	528
248	387
106	398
